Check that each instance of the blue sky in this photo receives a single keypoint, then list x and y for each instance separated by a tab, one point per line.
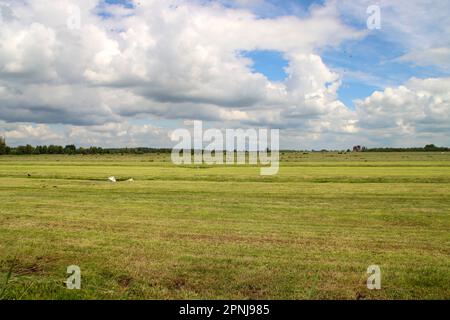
125	3
272	64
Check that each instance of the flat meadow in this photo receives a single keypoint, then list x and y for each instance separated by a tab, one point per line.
225	232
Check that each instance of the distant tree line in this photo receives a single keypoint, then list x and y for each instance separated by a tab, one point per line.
427	148
72	149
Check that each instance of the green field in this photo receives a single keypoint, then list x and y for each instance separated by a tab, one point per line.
226	232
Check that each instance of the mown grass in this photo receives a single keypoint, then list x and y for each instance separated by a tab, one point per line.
226	232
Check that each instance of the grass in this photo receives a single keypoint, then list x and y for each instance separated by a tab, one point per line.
226	232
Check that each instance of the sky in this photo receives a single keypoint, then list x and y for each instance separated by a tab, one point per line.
119	73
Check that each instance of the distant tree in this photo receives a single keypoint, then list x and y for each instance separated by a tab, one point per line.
2	146
70	149
95	150
431	147
55	149
28	149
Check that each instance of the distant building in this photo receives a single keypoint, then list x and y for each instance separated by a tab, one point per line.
359	149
